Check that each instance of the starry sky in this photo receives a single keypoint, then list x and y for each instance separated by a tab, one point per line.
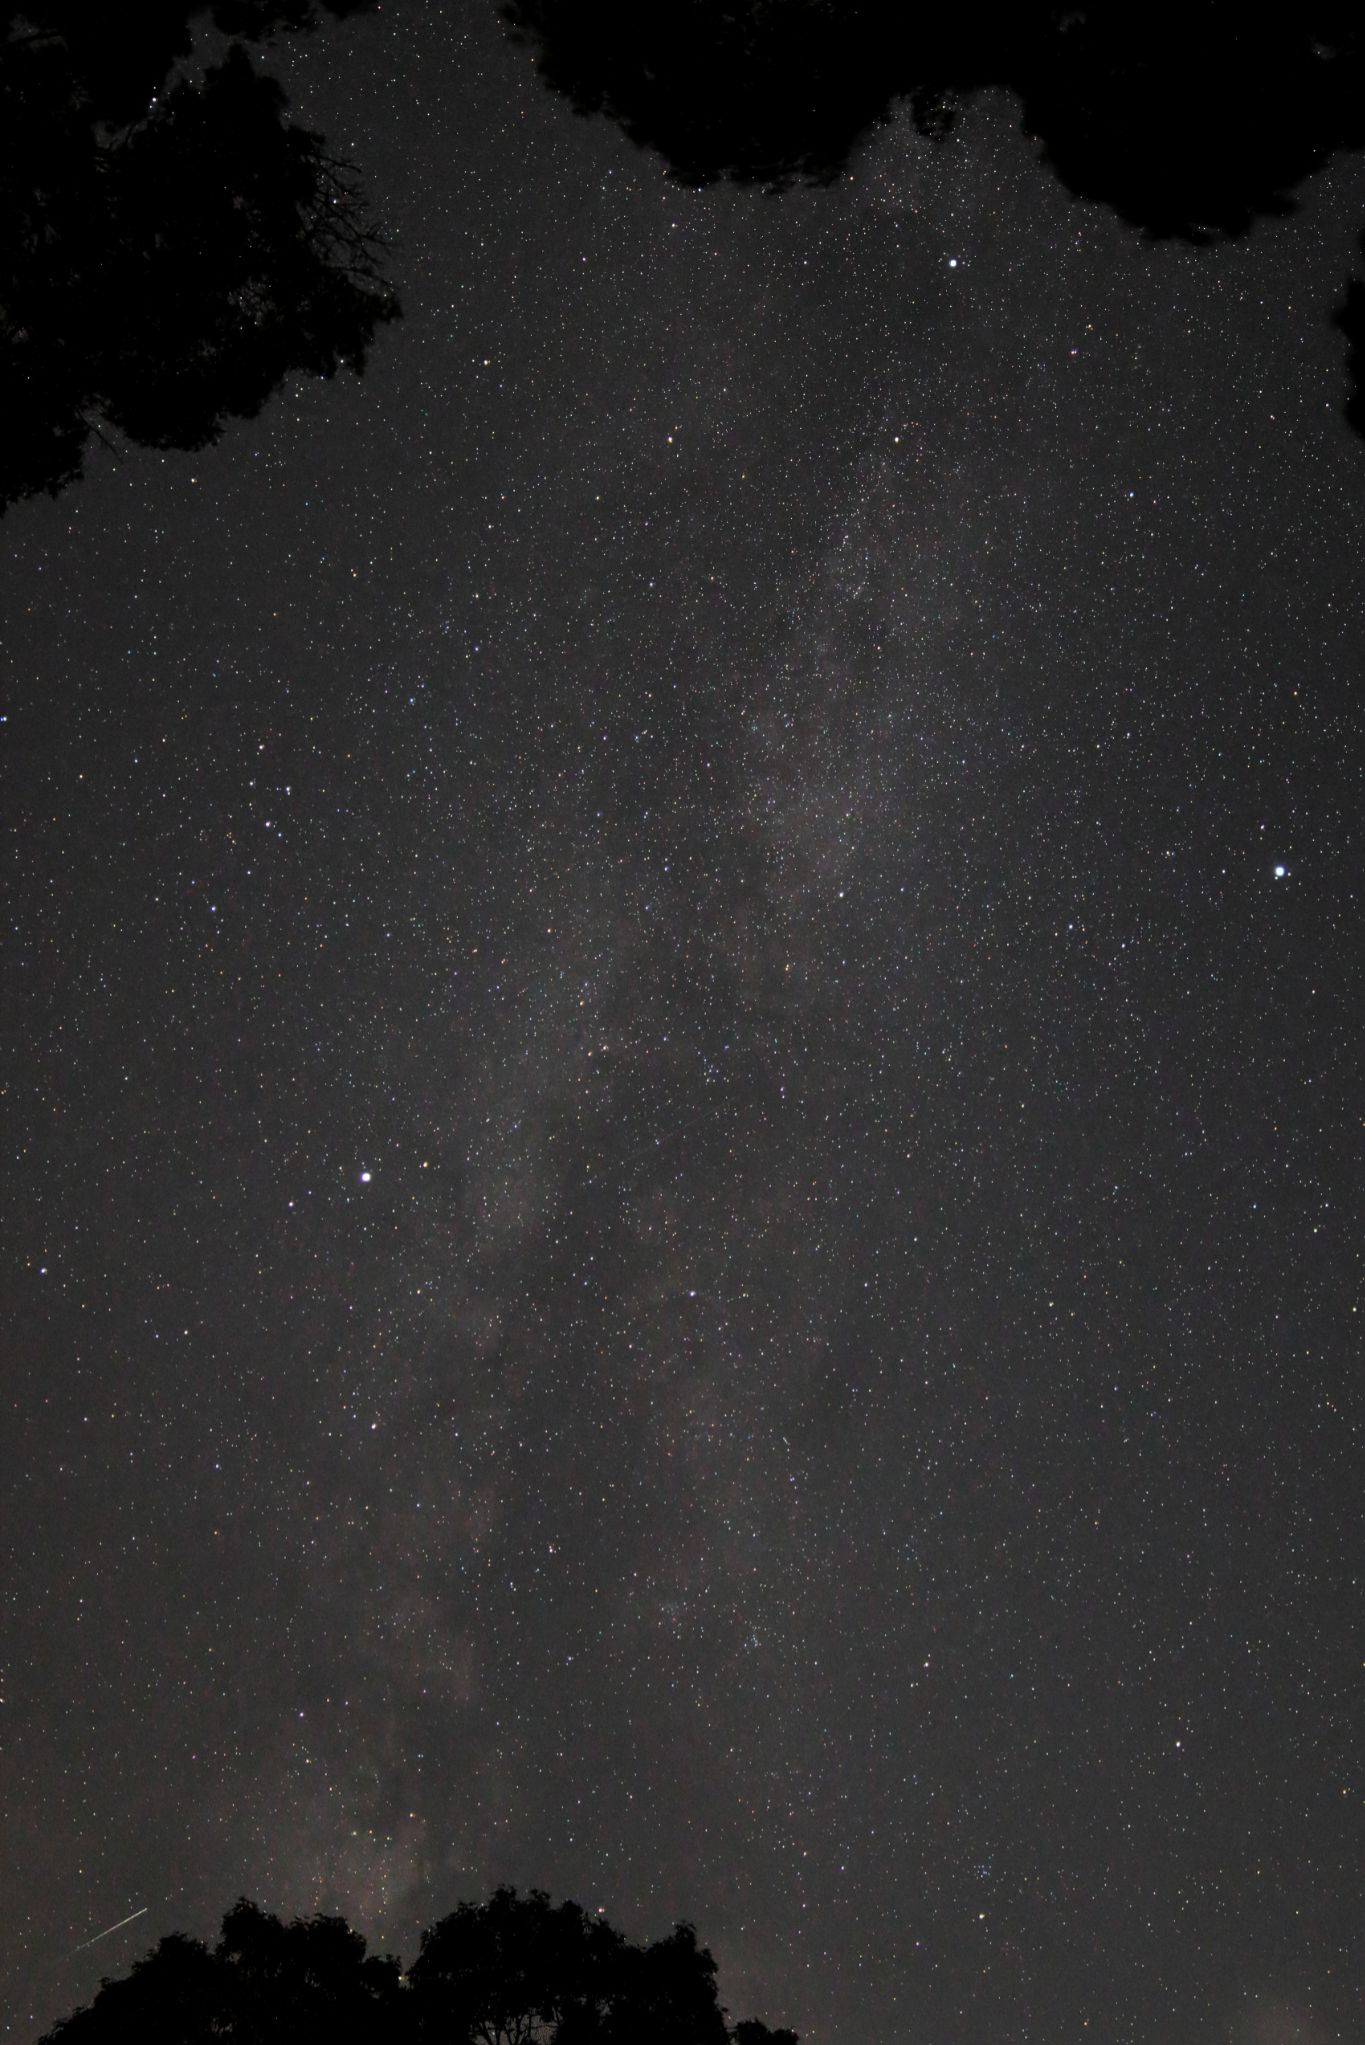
682	1100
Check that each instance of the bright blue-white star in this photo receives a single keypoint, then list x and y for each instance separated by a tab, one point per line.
1281	872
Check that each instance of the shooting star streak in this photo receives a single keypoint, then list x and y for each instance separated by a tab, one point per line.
108	1931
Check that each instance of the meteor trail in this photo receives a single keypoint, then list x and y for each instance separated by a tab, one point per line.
108	1930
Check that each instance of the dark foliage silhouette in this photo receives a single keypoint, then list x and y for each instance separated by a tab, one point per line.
172	246
1190	118
750	2033
517	1970
263	1983
1350	318
513	1969
1196	120
767	91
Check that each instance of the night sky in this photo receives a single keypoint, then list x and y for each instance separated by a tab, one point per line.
683	1106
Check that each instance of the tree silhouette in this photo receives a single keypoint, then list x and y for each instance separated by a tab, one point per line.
172	247
304	1983
758	91
1350	318
513	1971
1190	118
264	1983
516	1970
170	1998
750	2033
